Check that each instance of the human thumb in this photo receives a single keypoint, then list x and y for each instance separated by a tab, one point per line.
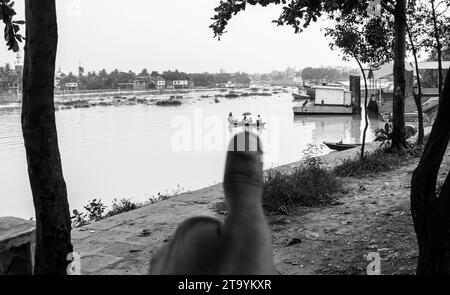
246	231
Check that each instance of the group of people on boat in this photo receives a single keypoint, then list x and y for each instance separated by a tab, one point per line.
246	120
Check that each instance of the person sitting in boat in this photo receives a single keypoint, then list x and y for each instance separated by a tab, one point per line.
231	118
258	120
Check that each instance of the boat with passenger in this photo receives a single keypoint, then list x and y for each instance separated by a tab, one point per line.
247	121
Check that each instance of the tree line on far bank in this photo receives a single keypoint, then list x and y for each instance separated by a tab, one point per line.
115	79
93	80
327	73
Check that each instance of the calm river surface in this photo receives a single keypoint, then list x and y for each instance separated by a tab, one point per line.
136	151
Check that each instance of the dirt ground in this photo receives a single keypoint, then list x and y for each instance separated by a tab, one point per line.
373	216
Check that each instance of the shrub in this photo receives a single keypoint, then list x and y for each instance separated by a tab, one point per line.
78	219
374	162
122	206
95	210
311	184
161	197
308	185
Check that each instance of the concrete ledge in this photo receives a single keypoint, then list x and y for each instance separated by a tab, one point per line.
17	244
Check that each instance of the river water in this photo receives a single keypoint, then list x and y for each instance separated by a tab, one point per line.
136	151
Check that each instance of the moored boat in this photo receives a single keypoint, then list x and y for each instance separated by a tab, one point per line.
339	146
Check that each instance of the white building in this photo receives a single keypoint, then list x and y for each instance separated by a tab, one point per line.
71	86
181	83
329	95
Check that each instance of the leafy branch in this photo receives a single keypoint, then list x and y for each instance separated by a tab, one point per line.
12	27
296	13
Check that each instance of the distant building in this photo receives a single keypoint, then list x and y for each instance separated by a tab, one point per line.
386	72
158	81
71	86
141	83
429	73
384	77
230	84
179	84
57	83
125	85
58	77
169	84
18	66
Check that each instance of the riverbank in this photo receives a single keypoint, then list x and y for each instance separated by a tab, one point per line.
108	97
62	98
373	216
128	93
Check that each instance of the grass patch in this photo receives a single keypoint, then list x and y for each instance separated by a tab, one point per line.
221	208
374	162
307	185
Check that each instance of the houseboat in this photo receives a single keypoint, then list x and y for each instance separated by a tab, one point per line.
328	100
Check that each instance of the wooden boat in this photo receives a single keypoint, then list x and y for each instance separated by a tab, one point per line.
242	124
339	146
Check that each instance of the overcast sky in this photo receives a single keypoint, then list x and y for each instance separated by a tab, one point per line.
175	34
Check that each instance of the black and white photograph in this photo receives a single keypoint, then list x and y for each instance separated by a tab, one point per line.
195	138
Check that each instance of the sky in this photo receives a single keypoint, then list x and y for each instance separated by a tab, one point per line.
174	34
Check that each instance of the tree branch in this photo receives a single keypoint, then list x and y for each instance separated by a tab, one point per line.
440	134
445	191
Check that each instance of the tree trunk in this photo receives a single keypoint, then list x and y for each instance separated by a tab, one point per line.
438	48
430	212
53	241
418	98
398	136
366	115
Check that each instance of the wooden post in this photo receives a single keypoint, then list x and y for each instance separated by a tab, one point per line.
355	88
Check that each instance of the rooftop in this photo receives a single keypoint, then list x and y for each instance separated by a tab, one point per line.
433	65
386	70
